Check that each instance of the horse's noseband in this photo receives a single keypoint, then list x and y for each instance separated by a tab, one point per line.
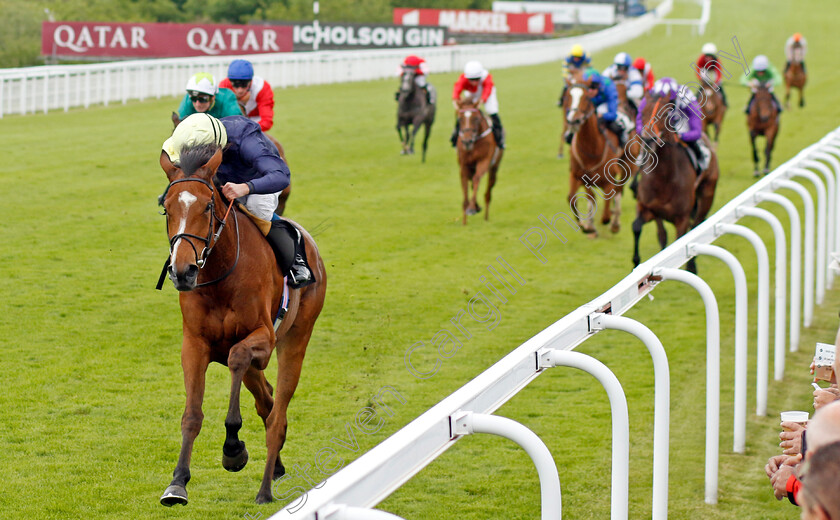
212	234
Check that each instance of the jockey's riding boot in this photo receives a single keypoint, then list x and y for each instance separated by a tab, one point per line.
562	95
397	95
498	131
454	137
749	104
618	129
776	102
787	66
723	95
700	153
634	185
287	242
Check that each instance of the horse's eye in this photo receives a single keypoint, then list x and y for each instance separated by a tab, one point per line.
208	208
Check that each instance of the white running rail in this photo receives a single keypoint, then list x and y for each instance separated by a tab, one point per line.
376	474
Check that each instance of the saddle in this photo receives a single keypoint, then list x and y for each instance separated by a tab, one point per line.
699	163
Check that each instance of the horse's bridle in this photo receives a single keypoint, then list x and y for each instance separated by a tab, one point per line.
212	234
586	115
468	143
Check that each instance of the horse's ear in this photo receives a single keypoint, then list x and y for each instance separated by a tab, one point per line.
176	120
213	164
170	169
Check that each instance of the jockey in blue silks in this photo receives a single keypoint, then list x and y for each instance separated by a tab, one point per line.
685	117
601	91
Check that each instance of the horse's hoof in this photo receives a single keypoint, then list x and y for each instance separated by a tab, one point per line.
559	155
756	173
403	152
471	211
264	498
279	469
615	228
236	462
173	495
766	171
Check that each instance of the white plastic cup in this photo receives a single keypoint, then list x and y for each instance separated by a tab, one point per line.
795	416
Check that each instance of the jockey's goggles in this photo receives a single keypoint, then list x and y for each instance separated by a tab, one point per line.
622	67
200	98
240	83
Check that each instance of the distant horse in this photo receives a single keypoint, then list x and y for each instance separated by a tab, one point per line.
413	111
284	195
795	77
478	153
713	111
231	291
592	150
763	119
671	190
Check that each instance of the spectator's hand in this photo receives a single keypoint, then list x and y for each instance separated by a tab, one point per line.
234	191
825	396
779	481
773	464
791	441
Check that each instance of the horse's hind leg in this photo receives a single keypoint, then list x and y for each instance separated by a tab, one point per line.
427	128
755	155
641	218
661	234
194	366
801	97
290	356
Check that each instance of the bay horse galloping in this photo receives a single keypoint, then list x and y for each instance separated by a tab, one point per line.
763	119
413	111
795	77
284	195
478	154
670	189
592	150
713	111
231	290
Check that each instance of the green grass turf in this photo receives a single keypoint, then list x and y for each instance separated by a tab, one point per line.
92	393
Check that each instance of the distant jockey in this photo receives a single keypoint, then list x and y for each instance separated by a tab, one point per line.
708	62
795	49
577	61
686	112
762	73
622	72
477	82
646	71
420	70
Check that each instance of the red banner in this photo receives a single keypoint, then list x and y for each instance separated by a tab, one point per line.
473	21
161	40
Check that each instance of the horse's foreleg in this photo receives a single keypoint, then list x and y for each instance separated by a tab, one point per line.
480	169
787	96
615	227
755	154
465	189
661	233
491	181
290	356
427	128
253	347
769	142
682	225
802	96
194	365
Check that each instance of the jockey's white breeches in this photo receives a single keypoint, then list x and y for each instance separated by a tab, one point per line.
261	205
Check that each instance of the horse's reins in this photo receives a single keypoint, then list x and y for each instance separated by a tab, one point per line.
211	238
480	136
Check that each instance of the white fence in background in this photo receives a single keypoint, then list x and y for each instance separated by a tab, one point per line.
351	492
698	26
40	89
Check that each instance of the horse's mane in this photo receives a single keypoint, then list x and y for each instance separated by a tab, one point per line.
194	157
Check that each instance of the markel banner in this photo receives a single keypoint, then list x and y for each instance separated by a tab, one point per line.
161	40
474	21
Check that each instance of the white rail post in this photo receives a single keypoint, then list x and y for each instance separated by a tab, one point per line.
465	423
740	423
829	154
780	289
619	509
343	512
763	320
831	214
661	398
822	212
712	372
795	267
808	264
